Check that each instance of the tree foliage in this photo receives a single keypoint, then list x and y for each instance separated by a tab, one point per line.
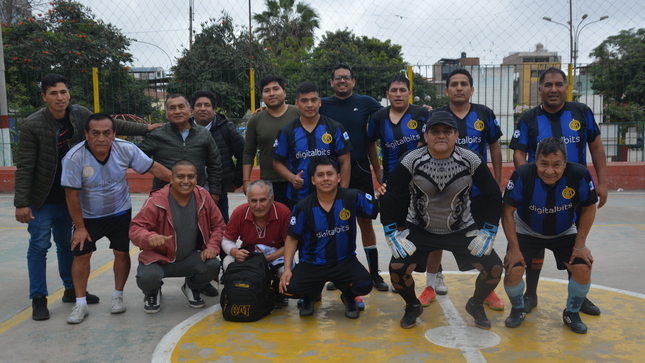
68	39
619	69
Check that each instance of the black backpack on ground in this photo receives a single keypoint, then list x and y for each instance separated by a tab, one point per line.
247	294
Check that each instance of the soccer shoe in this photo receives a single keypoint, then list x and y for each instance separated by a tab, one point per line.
351	307
574	322
152	302
477	312
412	312
209	290
359	303
494	302
515	319
589	308
530	301
117	305
331	286
194	300
78	314
427	296
69	296
300	301
39	308
281	300
379	284
439	286
307	308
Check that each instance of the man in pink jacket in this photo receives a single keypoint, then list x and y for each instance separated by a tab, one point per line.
179	231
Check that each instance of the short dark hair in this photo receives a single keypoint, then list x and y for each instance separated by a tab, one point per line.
262	183
460	71
552	70
342	66
203	93
271	78
551	145
51	79
324	160
173	96
398	78
182	162
306	87
99	117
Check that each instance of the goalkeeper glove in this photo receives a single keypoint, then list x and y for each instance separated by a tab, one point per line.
398	242
483	243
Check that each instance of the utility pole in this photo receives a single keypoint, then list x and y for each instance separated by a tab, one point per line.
191	17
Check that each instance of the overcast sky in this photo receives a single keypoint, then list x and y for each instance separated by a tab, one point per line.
427	30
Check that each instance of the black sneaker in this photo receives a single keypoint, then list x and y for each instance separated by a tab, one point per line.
281	300
515	319
589	308
152	302
69	296
574	322
379	284
477	312
307	308
331	286
412	312
194	300
209	290
530	301
351	311
39	308
301	301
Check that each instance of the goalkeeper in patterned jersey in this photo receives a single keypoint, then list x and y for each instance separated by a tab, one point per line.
428	195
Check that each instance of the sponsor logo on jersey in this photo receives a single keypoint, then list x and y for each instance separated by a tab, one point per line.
510	185
571	139
311	153
344	214
293	221
574	125
479	125
333	231
275	143
556	209
345	135
402	141
327	138
412	124
469	140
568	193
88	171
516	134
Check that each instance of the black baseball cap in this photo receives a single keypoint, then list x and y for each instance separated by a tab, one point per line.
441	117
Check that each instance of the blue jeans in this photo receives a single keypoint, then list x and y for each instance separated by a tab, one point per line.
51	219
222	204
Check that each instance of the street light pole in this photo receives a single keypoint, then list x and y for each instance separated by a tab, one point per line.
577	37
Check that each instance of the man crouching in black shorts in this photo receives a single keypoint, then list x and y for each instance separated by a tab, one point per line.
539	212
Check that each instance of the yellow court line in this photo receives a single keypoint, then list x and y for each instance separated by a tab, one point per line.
26	314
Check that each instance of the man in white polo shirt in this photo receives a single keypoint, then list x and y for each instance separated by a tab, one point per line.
98	198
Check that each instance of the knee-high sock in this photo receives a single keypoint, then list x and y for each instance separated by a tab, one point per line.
482	290
372	259
577	293
532	278
516	295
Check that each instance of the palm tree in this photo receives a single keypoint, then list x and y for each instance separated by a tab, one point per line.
286	25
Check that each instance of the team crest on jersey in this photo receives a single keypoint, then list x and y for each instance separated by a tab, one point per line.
412	124
327	138
510	185
574	125
344	214
293	221
479	125
568	193
275	143
516	134
88	171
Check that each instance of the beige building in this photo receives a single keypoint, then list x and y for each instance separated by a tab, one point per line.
528	68
444	66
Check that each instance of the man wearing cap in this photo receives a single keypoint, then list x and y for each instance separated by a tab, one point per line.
428	202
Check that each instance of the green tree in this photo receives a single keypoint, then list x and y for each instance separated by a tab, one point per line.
219	61
68	39
619	69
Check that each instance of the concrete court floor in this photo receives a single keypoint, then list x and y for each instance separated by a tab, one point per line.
133	336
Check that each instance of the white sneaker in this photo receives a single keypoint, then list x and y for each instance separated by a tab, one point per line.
439	286
117	305
78	314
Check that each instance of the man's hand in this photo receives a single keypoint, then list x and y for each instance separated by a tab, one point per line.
483	242
79	237
158	240
601	191
297	181
512	258
398	242
259	109
427	107
245	186
241	254
153	127
215	198
381	190
284	281
24	215
208	254
583	253
232	188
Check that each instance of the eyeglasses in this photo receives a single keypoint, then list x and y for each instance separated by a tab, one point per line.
346	78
